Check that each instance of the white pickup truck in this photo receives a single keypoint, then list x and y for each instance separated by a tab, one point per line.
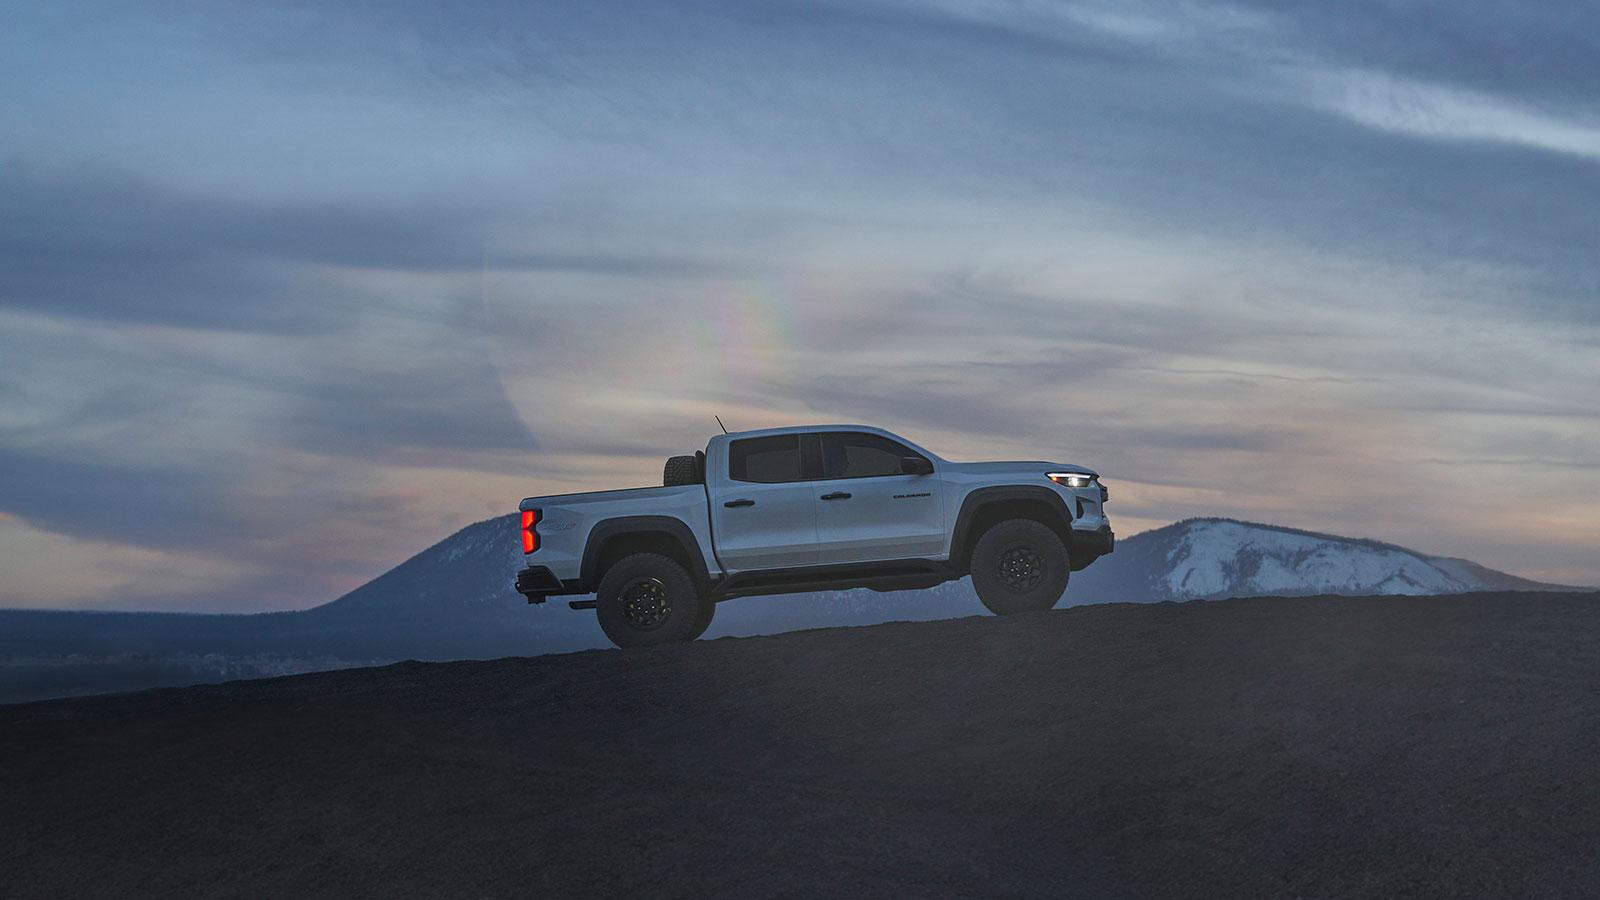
823	507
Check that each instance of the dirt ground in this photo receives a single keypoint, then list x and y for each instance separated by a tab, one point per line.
1296	748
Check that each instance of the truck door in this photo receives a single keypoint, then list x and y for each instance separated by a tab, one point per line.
763	513
867	509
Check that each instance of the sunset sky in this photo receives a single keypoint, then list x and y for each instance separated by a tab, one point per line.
290	291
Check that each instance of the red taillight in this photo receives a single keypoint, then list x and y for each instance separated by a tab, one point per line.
530	537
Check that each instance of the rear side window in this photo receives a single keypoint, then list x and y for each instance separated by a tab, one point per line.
767	460
854	454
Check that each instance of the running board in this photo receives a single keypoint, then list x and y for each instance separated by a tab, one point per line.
890	575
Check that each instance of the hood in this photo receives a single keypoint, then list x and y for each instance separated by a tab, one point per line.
998	468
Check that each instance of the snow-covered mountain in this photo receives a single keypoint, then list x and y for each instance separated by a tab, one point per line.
1212	558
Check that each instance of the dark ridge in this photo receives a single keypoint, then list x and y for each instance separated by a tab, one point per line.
1323	747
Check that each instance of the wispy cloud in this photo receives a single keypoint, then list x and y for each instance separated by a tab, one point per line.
1436	112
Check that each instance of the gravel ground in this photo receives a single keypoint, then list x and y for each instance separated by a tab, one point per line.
1319	747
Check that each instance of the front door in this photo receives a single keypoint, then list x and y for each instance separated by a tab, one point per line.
763	514
866	509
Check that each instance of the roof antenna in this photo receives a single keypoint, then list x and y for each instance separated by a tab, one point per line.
719	422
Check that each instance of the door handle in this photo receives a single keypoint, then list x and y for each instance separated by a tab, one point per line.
740	503
836	495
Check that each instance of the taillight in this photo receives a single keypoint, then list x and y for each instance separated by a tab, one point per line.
530	537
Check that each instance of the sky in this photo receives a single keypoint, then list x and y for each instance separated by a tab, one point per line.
290	291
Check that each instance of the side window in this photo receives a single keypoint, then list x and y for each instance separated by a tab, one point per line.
854	454
767	460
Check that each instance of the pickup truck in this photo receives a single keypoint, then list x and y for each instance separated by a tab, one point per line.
822	507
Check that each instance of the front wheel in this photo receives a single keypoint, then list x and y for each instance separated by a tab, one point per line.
648	599
708	608
1019	565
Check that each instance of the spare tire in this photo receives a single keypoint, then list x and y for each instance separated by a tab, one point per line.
680	470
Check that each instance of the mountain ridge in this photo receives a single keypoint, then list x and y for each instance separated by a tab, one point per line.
454	600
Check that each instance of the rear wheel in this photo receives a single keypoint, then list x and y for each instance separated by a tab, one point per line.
1019	565
648	599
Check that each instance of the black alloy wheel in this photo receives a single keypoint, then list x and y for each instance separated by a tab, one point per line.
1020	568
1019	565
645	604
647	599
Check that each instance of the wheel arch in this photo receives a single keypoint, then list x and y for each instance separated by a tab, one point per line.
986	507
612	539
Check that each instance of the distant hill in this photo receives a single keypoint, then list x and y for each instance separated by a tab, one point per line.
454	601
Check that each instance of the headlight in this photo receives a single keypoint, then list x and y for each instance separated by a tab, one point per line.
1071	479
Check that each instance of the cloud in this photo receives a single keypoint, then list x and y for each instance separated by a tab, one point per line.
107	245
405	402
144	506
281	451
1542	52
1430	111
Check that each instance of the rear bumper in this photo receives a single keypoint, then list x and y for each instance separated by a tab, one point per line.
538	582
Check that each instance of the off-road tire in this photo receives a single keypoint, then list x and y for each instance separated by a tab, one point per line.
680	470
708	608
1019	565
648	599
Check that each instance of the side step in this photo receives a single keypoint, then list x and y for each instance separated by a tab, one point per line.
581	604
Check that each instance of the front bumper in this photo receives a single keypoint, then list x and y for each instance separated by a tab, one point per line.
1088	546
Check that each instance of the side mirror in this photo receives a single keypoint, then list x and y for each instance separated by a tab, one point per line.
915	465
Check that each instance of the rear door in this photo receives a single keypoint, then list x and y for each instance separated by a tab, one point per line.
763	512
866	509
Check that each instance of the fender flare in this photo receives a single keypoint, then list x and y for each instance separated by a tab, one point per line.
607	529
974	502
